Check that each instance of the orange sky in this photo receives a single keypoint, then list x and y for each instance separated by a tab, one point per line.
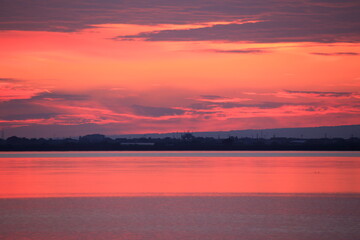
133	76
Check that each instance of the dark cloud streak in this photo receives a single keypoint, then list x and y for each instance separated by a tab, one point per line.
25	109
285	28
156	111
9	80
279	20
239	51
61	96
227	105
336	54
322	94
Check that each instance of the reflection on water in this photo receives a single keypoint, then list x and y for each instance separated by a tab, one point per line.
180	195
177	173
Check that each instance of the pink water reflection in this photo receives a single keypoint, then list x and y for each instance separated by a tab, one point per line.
169	175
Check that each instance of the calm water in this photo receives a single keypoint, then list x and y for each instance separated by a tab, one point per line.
177	173
180	195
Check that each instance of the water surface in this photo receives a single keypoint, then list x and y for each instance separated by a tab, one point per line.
43	174
180	195
179	218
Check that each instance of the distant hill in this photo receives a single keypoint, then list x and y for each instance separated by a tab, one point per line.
345	131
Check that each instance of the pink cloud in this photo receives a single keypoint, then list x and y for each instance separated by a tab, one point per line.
10	90
219	99
214	112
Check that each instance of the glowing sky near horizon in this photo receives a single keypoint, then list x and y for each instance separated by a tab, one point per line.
117	67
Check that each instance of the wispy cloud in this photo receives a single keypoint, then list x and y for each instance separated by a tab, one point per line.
306	94
53	95
219	99
9	80
228	20
239	51
285	21
336	54
11	89
156	111
320	94
132	113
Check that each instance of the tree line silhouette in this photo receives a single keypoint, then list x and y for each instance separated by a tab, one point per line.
187	141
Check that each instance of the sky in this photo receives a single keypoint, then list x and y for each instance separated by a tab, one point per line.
76	67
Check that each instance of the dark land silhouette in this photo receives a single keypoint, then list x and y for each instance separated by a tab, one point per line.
187	141
343	131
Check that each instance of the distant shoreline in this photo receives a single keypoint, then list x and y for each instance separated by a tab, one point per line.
187	142
187	150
